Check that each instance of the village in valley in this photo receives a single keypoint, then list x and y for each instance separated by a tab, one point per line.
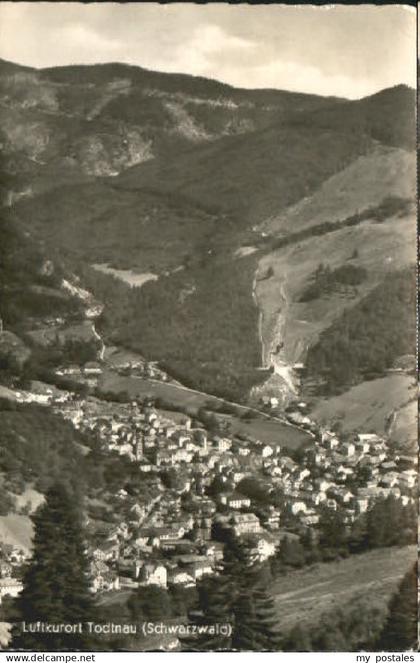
208	380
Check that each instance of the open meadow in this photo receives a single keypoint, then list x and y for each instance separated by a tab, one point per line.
305	595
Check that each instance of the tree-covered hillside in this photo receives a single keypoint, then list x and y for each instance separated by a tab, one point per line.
386	116
29	279
367	338
197	166
39	447
201	324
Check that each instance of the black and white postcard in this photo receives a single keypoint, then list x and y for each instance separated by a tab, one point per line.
208	396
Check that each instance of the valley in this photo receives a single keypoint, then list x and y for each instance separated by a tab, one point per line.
228	190
207	332
201	196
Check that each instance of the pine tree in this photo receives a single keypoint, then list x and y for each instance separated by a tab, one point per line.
386	523
213	608
332	640
244	636
332	530
56	583
254	620
358	538
216	596
267	635
309	542
240	597
291	553
329	634
400	630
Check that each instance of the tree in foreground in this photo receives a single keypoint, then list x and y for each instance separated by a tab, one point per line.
150	603
239	596
212	609
298	640
56	586
254	627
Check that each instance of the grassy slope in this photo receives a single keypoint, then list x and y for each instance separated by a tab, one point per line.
378	248
303	596
16	530
384	171
381	248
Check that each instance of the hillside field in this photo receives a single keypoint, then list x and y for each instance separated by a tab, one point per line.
368	405
303	596
16	530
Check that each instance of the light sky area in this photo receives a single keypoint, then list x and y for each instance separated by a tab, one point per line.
347	51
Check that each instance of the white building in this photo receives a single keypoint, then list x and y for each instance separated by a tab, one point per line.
10	587
153	574
298	507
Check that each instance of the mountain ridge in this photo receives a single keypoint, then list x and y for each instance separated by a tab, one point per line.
164	182
119	68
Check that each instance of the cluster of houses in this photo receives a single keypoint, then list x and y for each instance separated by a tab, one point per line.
192	491
346	476
127	363
11	559
87	374
123	362
166	534
173	520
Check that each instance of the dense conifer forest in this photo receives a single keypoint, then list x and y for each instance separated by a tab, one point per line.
366	340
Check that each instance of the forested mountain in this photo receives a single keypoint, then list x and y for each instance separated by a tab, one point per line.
201	185
99	120
30	281
166	239
385	116
39	447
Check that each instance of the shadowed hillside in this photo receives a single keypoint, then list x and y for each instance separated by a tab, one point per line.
387	116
